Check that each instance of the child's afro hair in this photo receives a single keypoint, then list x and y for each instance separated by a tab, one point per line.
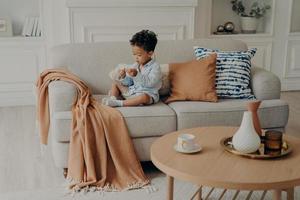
145	39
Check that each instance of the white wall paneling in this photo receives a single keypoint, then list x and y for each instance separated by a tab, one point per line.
130	3
58	23
292	69
286	45
123	33
22	58
92	21
20	68
262	58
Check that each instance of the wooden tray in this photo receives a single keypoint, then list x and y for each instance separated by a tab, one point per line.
261	153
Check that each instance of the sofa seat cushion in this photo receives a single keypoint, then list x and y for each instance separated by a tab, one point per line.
142	121
272	113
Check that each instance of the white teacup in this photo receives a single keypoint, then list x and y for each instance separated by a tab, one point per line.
186	142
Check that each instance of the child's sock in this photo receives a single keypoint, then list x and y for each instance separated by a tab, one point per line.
104	100
112	97
114	103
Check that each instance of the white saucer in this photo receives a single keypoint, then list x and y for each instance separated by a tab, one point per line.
196	148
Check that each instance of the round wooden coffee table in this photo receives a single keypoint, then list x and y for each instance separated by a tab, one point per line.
214	167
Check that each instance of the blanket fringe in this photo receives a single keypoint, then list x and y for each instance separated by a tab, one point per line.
150	188
107	188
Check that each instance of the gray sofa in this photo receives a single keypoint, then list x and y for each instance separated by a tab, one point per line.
92	62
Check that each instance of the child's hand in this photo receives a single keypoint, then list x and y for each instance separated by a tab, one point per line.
122	73
131	72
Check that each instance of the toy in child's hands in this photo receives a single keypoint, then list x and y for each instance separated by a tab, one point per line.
115	73
131	72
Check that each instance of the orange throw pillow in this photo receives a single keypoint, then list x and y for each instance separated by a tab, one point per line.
193	80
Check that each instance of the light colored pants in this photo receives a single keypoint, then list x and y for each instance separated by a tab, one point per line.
126	94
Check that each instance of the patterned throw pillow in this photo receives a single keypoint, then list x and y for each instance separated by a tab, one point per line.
232	72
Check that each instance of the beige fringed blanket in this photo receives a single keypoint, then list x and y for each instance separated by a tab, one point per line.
101	153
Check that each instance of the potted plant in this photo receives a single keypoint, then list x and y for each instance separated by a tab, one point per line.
249	16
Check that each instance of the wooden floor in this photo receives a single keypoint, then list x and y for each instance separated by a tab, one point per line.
293	98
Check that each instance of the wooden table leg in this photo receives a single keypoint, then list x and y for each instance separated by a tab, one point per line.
199	194
290	194
170	181
276	194
65	172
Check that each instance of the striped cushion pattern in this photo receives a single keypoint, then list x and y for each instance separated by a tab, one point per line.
232	72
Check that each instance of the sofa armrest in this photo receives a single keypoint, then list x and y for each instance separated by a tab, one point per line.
265	85
61	96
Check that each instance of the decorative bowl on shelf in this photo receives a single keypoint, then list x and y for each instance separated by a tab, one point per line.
229	27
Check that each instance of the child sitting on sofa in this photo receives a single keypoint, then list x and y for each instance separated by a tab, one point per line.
139	83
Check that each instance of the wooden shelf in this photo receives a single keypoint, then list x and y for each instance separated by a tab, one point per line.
20	40
221	12
241	35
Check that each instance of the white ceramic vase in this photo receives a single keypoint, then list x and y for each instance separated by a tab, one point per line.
246	140
248	24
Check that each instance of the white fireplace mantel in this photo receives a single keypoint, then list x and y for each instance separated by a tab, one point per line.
131	3
118	20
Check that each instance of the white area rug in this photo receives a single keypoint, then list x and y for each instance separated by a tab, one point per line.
182	191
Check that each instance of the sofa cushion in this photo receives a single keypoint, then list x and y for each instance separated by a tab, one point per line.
193	80
142	121
272	113
232	73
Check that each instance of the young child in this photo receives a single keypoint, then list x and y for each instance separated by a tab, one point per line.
138	84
